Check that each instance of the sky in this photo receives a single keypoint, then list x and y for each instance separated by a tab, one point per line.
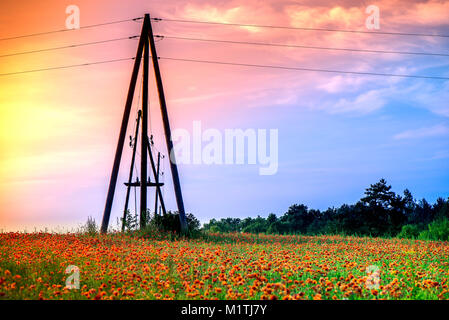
337	133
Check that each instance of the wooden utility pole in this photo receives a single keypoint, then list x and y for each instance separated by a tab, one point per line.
144	139
146	43
124	125
168	138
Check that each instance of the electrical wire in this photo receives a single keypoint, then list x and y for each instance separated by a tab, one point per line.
301	28
301	46
307	69
65	30
135	200
65	67
67	47
242	65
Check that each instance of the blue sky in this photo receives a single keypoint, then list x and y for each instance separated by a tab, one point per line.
338	133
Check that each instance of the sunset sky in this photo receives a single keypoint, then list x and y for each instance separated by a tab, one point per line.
337	133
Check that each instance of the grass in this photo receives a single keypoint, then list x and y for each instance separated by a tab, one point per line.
220	266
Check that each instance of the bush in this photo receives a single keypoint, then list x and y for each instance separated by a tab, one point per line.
90	227
437	230
214	229
170	222
409	231
131	221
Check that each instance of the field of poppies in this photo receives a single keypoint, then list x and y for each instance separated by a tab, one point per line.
220	266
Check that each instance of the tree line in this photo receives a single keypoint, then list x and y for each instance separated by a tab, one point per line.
380	213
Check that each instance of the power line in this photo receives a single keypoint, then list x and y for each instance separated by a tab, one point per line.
65	67
161	37
66	47
241	65
302	46
302	28
65	30
307	69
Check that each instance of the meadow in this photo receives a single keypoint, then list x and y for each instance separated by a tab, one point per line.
222	266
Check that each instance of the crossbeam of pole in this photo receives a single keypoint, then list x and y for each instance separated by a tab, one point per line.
148	184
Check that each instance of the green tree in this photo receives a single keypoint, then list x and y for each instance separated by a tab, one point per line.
386	213
297	218
379	195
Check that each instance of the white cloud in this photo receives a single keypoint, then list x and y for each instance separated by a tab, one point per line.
443	154
364	103
339	83
438	130
434	98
